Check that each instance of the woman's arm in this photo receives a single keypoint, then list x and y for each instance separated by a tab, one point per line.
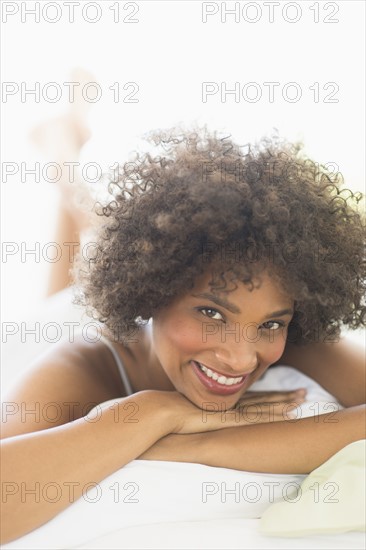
339	367
69	457
288	447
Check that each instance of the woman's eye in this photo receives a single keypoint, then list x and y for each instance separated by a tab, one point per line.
211	313
272	325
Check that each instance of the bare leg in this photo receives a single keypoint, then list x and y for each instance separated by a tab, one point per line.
61	140
67	231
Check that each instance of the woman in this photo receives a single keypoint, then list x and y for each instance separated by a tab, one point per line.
213	262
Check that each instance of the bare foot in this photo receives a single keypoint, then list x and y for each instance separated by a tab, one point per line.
60	140
64	136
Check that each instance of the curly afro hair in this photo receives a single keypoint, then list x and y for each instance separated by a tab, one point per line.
203	202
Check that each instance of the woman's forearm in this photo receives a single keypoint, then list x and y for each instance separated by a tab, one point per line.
286	447
67	458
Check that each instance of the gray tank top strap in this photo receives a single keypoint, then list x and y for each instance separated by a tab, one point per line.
120	365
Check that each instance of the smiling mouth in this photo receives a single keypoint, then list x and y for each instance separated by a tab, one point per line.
218	377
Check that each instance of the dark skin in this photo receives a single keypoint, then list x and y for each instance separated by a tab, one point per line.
346	384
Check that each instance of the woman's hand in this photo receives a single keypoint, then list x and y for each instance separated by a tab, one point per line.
271	406
253	407
181	416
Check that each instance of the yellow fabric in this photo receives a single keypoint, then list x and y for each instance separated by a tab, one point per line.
330	500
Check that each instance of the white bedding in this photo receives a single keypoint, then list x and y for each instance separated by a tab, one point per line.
223	534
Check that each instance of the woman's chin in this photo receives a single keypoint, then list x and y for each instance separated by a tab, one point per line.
213	403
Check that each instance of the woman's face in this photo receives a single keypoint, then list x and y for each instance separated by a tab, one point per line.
213	345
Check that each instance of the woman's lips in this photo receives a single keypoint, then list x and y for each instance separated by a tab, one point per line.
214	386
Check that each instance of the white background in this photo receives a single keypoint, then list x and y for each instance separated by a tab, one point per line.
169	52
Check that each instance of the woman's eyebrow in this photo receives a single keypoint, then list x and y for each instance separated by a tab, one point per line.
281	313
219	301
234	309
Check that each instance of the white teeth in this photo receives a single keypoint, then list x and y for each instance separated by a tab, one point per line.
220	379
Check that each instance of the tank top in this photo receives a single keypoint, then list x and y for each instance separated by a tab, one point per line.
121	368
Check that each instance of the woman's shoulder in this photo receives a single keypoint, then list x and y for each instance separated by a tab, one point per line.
93	360
63	384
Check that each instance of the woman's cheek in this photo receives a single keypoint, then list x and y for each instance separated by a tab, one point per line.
179	336
274	350
186	338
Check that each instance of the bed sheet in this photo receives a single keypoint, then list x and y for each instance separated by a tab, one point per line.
223	534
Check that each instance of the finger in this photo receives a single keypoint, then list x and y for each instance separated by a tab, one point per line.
268	409
266	405
270	397
267	414
277	392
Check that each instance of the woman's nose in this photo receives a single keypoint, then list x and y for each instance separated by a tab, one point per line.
237	359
